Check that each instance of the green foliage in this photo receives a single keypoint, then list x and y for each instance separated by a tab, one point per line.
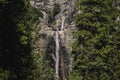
53	13
42	69
4	74
56	9
16	21
75	76
96	49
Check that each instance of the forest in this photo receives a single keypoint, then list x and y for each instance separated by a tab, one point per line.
59	39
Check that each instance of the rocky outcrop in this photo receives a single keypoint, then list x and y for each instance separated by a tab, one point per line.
64	17
67	9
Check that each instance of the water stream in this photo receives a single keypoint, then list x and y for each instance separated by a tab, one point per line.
58	47
63	22
57	53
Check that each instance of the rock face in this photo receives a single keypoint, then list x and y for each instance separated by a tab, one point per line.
58	17
64	17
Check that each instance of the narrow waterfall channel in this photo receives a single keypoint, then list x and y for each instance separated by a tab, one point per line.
63	22
57	53
58	47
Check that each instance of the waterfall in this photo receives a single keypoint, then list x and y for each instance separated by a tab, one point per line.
57	54
63	22
57	47
60	24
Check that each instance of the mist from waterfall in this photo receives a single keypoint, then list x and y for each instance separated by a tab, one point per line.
57	53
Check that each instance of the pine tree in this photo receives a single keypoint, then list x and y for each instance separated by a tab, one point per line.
96	49
16	24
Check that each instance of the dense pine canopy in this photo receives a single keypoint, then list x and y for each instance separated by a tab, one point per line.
96	49
16	20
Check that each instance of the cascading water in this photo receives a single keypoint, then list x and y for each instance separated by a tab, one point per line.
57	47
57	53
63	22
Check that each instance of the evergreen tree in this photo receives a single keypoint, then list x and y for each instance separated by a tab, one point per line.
16	24
96	49
41	64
